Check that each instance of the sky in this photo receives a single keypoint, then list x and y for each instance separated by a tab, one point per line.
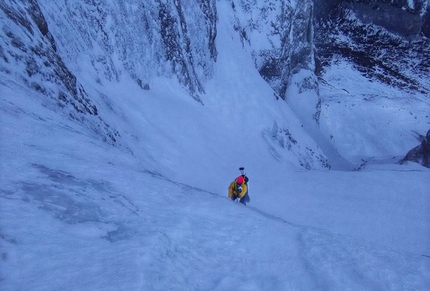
152	213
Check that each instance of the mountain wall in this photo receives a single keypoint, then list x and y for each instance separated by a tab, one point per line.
46	45
386	40
31	58
153	38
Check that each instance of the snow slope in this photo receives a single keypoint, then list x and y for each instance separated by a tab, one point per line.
151	213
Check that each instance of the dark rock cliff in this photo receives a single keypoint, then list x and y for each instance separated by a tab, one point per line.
385	40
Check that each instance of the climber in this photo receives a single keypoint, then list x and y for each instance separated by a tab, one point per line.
239	188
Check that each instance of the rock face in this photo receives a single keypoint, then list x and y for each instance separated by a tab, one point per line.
280	35
38	39
384	39
176	38
419	154
176	33
28	44
288	31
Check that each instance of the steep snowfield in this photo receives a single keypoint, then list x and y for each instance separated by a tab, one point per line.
151	213
78	214
368	120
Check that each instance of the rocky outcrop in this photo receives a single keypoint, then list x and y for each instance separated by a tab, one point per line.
419	154
141	39
280	36
28	43
383	39
274	64
425	29
177	41
288	30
